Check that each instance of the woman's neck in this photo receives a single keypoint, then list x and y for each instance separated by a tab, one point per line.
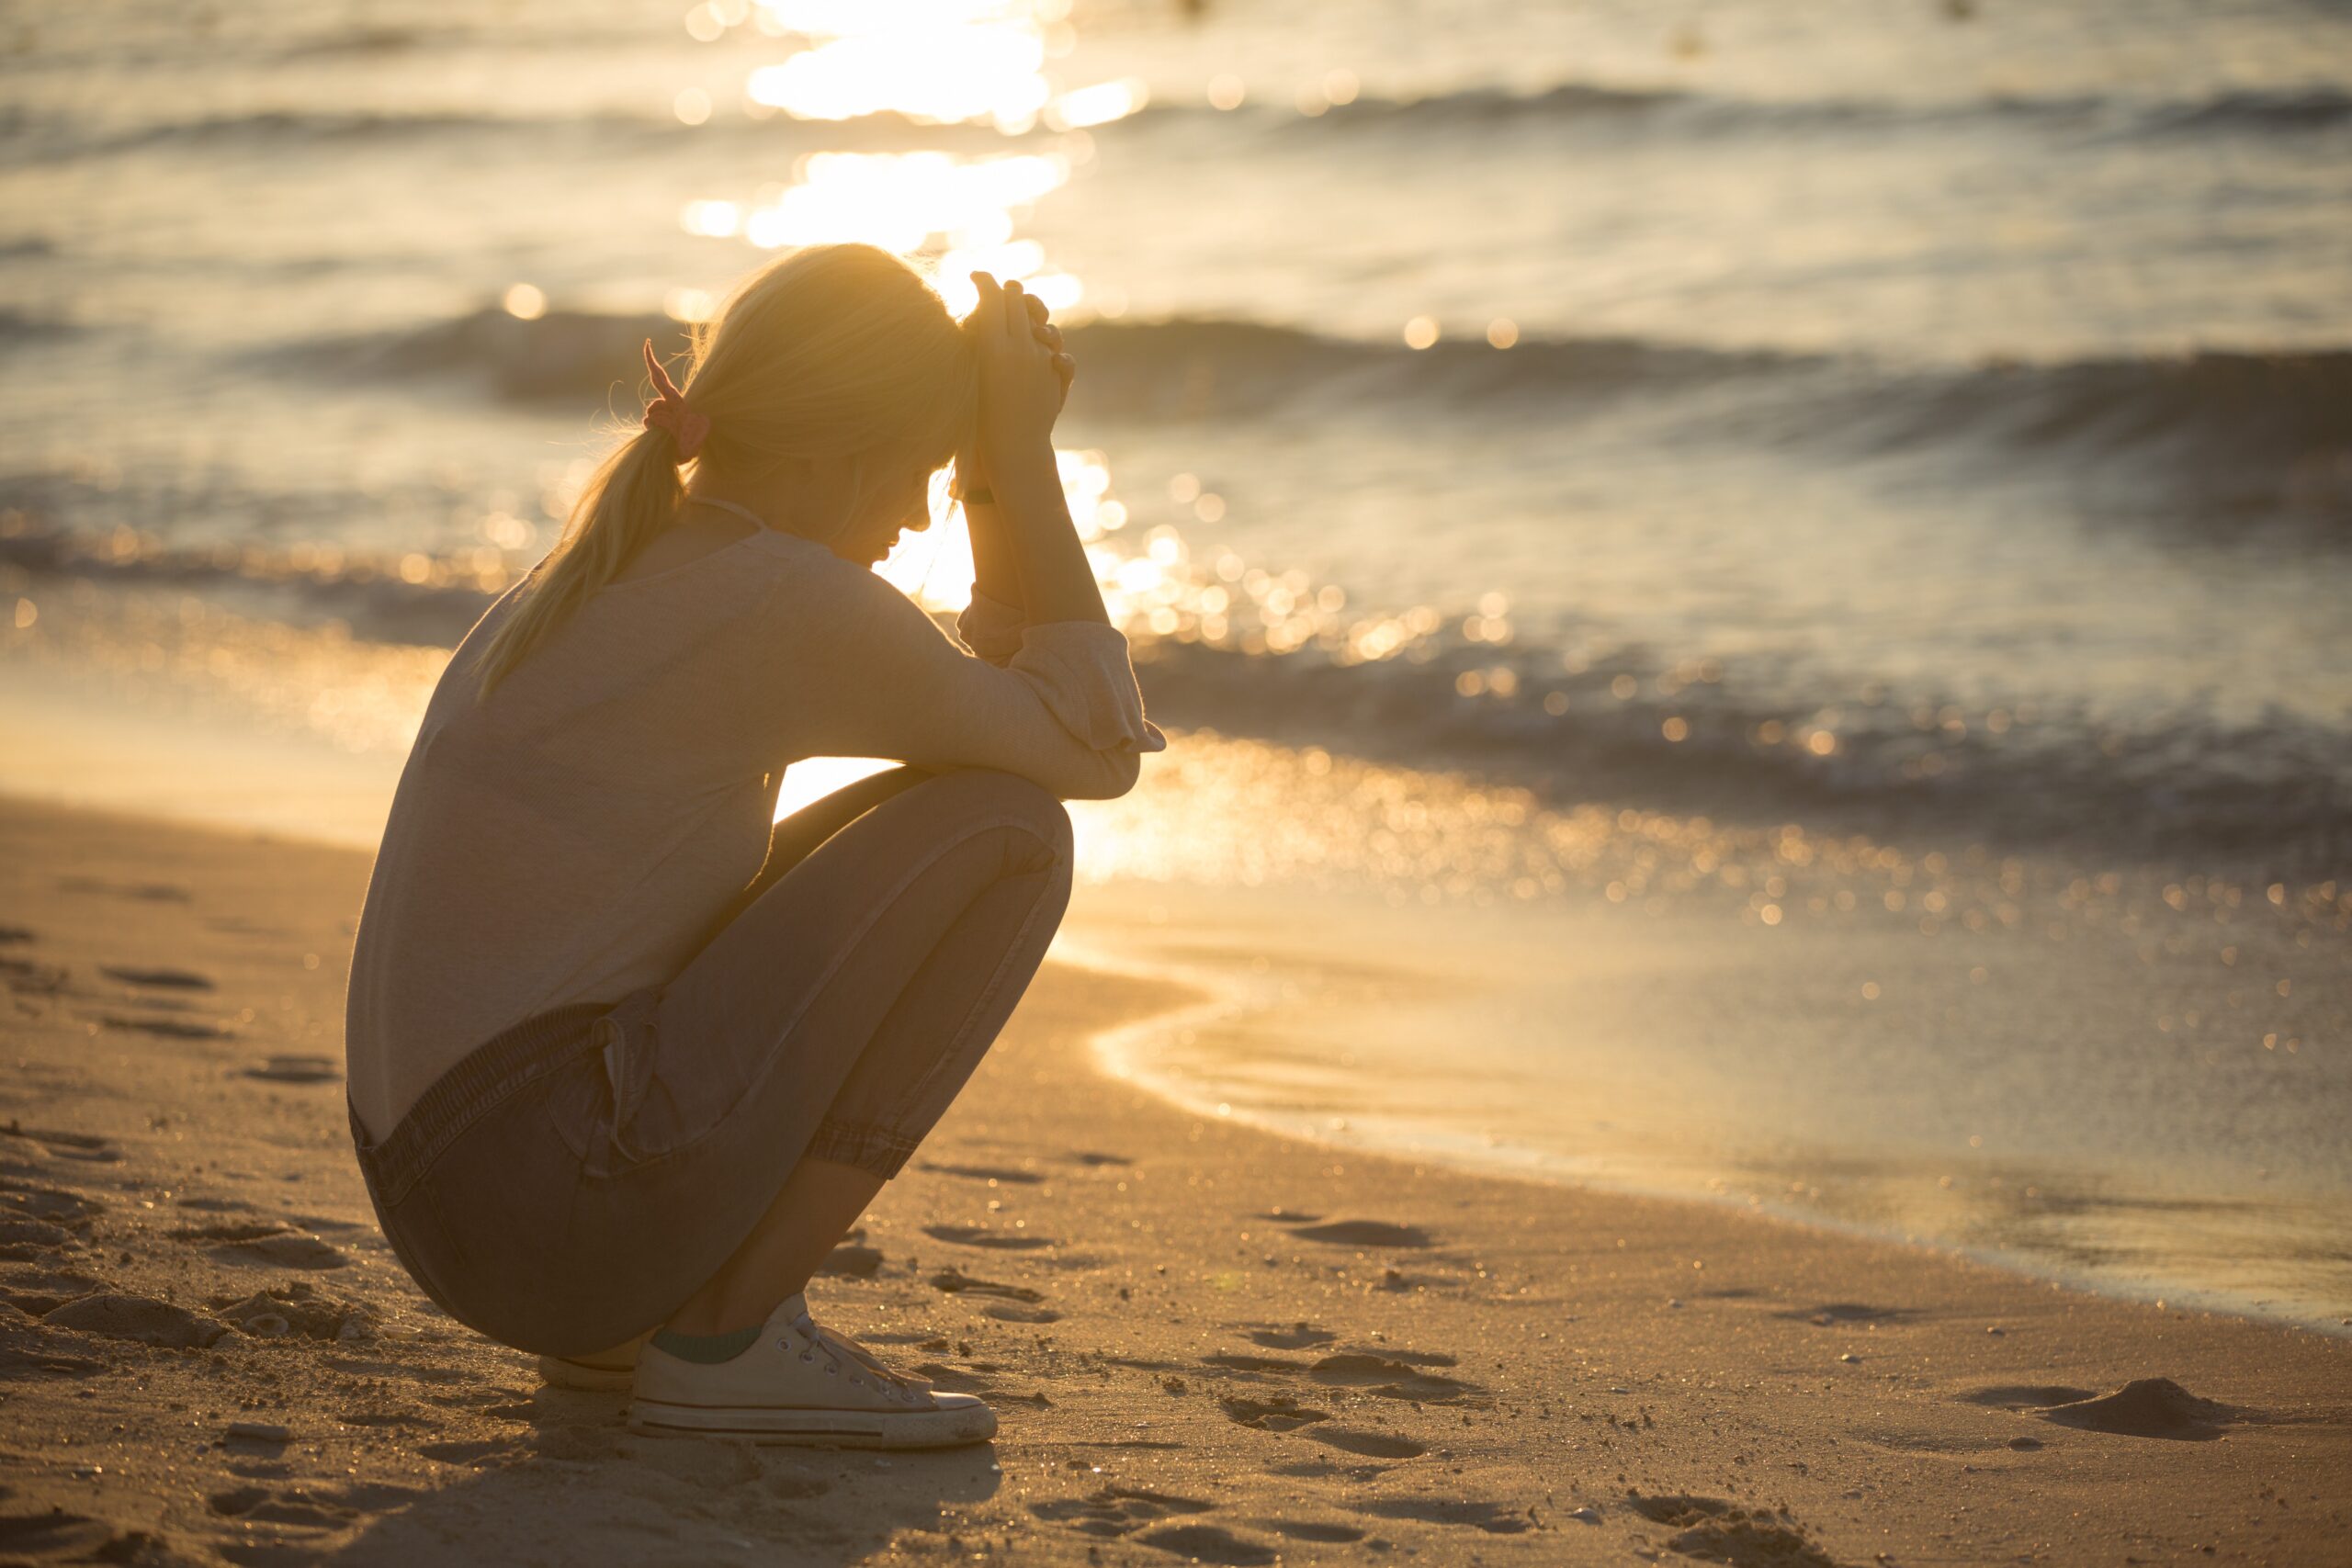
789	503
743	513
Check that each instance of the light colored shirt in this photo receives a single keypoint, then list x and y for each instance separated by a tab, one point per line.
576	835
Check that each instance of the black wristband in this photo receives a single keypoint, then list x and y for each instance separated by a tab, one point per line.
984	496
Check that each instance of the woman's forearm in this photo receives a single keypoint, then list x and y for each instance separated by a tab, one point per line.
996	566
1057	580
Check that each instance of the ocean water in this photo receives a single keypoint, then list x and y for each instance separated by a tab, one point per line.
1548	459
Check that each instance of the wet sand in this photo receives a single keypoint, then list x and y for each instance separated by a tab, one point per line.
1204	1342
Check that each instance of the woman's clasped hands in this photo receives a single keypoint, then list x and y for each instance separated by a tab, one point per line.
1025	380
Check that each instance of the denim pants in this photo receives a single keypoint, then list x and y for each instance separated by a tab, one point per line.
572	1181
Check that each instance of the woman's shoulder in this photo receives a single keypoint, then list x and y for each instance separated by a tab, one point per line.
819	608
808	574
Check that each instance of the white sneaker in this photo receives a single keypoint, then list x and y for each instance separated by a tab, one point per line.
602	1372
800	1382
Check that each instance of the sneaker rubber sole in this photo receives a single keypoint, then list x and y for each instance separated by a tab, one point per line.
560	1371
958	1418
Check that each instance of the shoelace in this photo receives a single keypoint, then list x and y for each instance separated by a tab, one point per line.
891	1384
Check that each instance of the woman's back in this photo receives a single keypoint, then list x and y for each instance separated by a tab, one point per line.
559	842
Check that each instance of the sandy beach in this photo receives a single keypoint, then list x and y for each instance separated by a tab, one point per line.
1205	1343
1742	950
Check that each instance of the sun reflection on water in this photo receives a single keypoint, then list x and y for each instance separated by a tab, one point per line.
930	62
957	213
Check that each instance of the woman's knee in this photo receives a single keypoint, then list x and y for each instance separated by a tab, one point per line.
999	793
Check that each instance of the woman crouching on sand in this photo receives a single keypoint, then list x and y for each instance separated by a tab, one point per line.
625	1063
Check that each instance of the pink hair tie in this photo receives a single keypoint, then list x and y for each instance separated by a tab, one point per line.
687	427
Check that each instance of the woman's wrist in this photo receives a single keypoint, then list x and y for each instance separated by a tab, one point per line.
1031	479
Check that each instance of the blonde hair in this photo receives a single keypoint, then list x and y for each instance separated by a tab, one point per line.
830	349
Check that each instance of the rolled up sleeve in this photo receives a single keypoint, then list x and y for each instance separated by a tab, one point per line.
991	628
1083	673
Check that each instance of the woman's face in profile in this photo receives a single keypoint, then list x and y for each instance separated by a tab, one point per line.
900	501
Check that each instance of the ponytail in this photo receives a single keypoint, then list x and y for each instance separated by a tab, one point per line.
630	500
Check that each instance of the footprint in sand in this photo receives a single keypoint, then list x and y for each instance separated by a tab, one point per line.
2148	1407
38	1292
1006	1311
160	979
1716	1531
1237	1363
238	925
1366	1232
374	1497
24	1240
1311	1529
1397	1375
49	1205
174	1006
256	1504
1491	1517
1281	1414
291	1250
296	1069
1298	1337
973	1236
1391	1376
1370	1445
297	1311
29	977
1087	1156
328	1223
984	1172
954	1281
226	1232
2027	1396
1417	1358
154	892
1115	1510
55	1536
66	1146
169	1028
28	1347
114	1315
278	1246
12	934
1210	1543
1829	1314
